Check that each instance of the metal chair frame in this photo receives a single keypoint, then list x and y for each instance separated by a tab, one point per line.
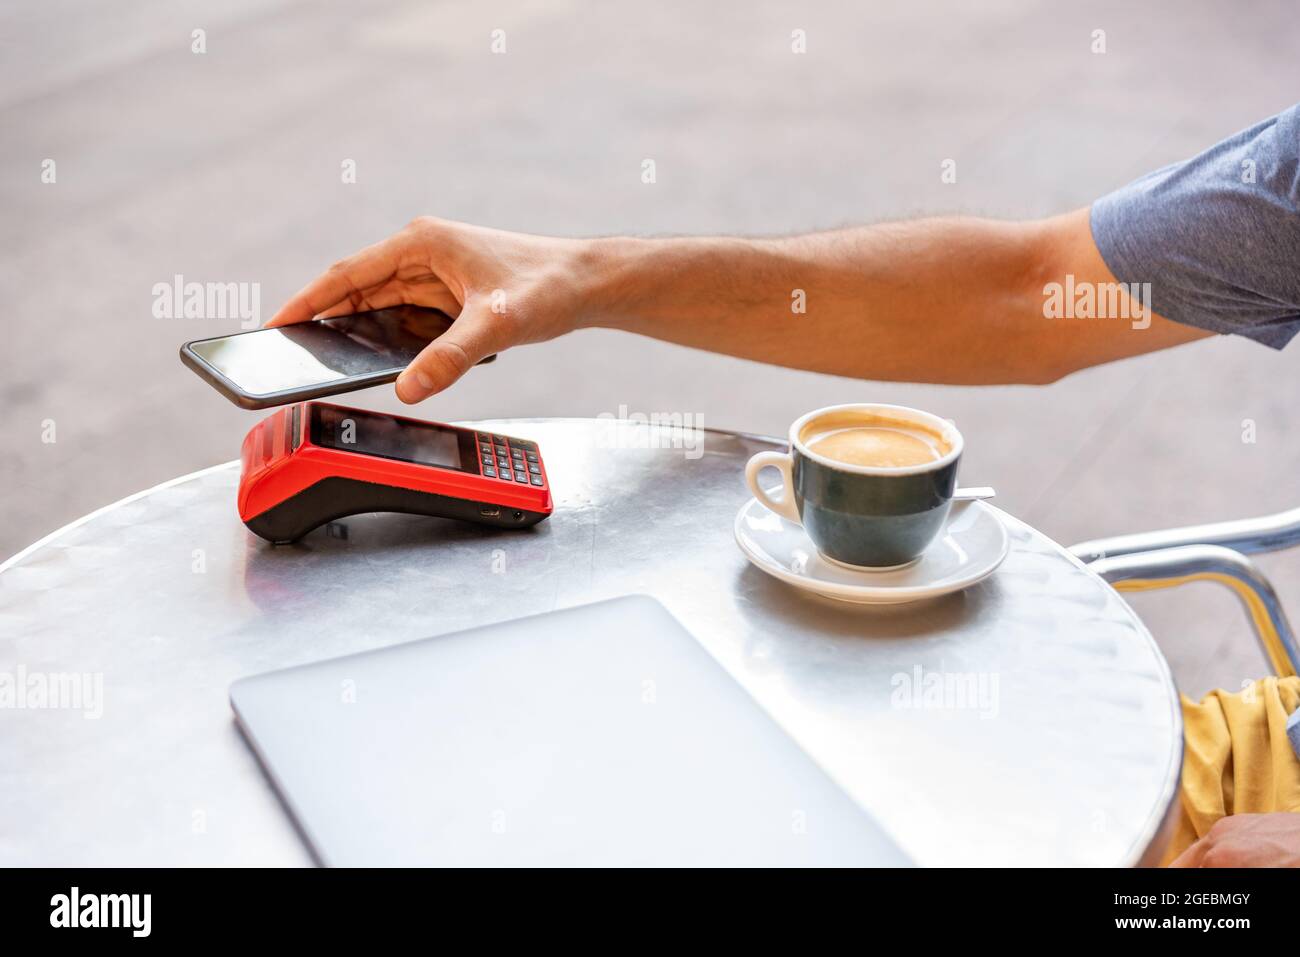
1217	553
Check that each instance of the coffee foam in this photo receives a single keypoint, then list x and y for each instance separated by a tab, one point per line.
874	439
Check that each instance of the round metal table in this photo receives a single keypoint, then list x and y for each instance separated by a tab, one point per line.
1068	754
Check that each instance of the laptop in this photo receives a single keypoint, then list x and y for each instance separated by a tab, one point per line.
600	735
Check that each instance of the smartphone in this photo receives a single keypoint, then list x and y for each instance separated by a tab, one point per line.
310	360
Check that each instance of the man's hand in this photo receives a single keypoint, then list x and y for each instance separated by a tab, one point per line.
504	288
1247	840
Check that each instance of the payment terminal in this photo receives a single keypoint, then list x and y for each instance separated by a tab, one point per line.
313	462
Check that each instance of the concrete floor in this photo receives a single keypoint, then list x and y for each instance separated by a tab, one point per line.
225	167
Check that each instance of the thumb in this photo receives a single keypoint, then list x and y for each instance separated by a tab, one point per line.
470	339
1190	857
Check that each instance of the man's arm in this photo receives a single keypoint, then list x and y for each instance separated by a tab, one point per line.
941	300
1212	241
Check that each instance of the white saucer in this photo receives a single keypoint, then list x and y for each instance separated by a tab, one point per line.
970	547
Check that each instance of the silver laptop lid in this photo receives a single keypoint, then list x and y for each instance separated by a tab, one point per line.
601	735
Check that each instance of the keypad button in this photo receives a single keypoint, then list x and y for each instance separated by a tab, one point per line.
537	480
489	471
521	477
536	470
525	445
532	457
505	474
503	462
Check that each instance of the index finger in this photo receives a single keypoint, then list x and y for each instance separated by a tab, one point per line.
347	277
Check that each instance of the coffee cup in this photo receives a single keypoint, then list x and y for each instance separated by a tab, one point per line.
871	484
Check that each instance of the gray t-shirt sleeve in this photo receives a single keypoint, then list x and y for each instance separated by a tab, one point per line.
1217	236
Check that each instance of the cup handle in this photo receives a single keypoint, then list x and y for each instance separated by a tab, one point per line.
781	461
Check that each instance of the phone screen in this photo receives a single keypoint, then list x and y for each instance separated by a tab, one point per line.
373	433
324	350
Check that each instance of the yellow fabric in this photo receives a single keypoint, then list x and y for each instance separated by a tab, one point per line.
1236	757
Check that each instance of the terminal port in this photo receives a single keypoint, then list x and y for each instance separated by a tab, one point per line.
489	512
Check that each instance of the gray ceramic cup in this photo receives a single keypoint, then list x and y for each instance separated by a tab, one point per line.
864	516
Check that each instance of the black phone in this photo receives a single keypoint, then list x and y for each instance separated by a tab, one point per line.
309	360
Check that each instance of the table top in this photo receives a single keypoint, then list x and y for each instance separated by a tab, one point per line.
1028	720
